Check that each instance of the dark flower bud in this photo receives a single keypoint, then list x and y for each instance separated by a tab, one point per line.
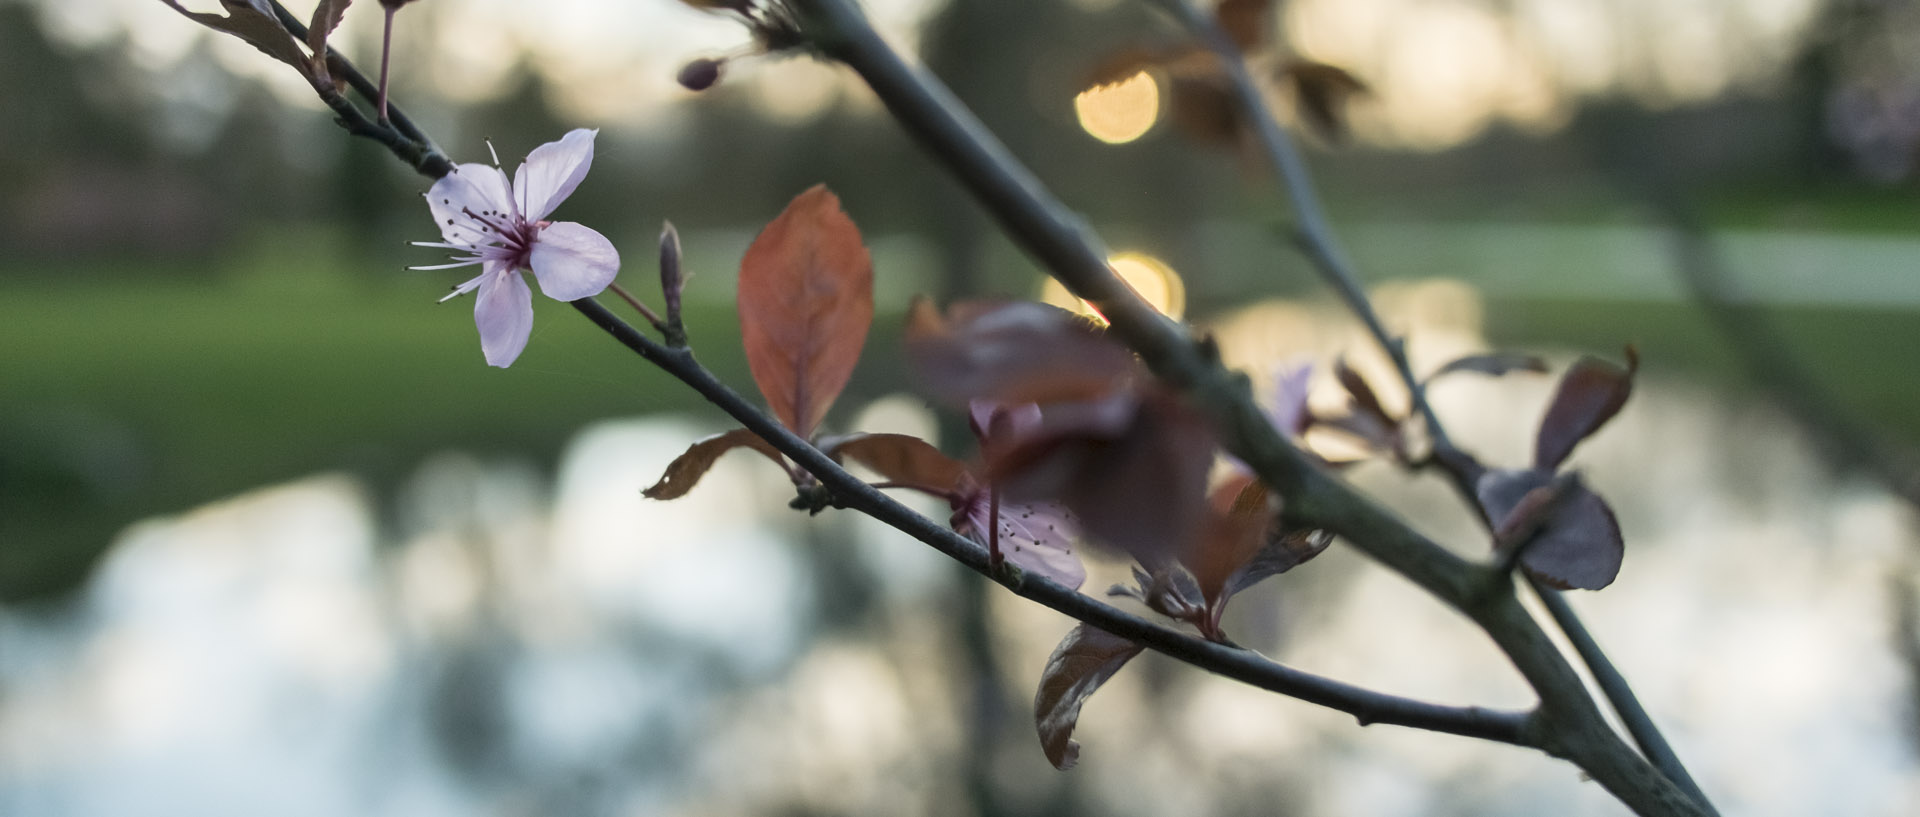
673	280
701	74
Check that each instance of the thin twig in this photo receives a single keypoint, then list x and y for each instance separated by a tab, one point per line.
640	307
1565	725
1367	706
1614	685
404	139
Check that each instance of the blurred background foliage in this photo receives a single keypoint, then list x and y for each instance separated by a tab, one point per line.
202	283
205	284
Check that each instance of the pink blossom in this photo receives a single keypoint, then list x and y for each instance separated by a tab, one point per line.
503	229
1036	536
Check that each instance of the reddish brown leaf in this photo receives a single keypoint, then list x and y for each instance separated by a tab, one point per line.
906	460
1013	352
1590	393
1246	22
1235	529
1085	659
1578	547
1323	93
806	301
1492	364
686	470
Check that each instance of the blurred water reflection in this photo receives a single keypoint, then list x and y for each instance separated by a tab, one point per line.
487	643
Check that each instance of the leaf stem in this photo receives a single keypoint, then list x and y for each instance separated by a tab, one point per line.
386	59
640	307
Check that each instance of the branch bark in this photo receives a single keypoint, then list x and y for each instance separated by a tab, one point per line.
1573	727
1317	240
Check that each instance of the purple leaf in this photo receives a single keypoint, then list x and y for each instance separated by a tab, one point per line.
1085	659
1282	553
1579	546
1590	393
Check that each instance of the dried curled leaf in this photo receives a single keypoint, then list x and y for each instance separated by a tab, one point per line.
904	459
253	21
686	470
1492	364
806	301
1579	546
1590	393
1085	659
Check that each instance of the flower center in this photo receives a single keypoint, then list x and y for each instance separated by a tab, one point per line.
511	236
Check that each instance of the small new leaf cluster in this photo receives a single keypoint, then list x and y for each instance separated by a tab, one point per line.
806	305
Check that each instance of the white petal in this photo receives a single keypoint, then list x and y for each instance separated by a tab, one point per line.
470	188
504	313
552	171
573	261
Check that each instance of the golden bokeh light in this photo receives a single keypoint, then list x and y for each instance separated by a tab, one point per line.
1120	112
1156	282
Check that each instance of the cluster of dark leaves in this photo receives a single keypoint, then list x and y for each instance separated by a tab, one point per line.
1127	456
1568	534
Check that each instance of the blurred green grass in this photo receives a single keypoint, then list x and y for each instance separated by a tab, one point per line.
125	395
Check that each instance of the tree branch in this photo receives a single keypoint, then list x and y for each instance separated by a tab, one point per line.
1565	725
1367	706
397	132
1061	242
1323	249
